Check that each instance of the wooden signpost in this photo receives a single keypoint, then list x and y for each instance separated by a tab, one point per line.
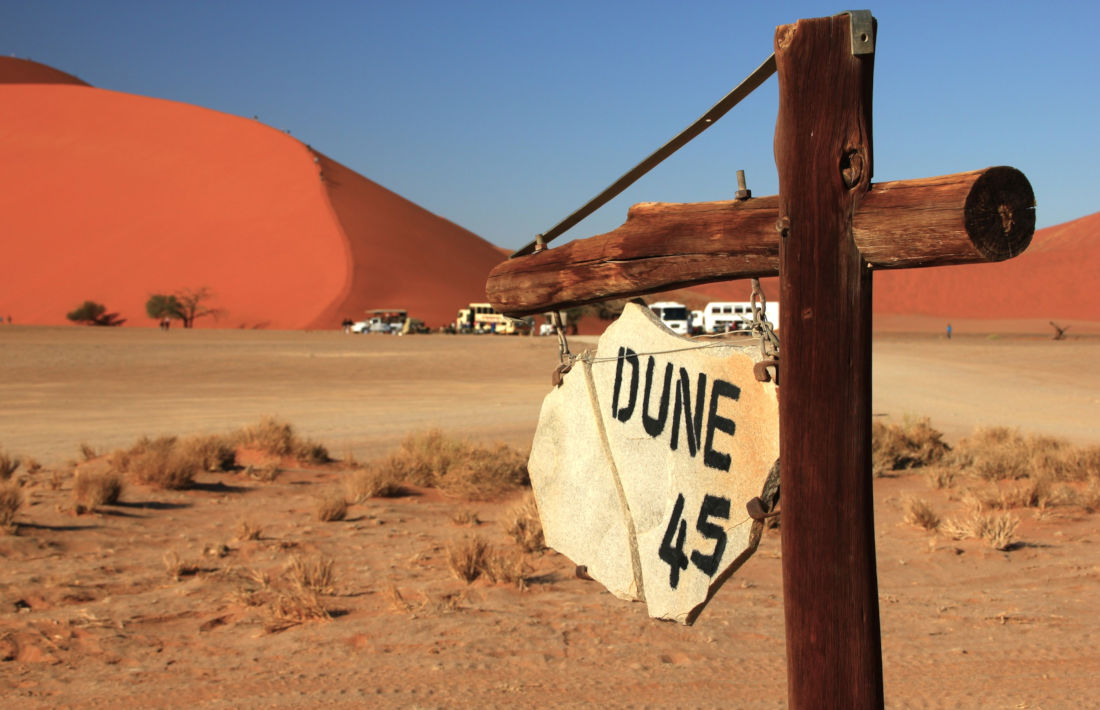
824	235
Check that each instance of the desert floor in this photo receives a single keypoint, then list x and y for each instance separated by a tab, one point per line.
90	617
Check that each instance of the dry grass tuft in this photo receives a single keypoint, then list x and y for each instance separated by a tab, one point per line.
372	481
397	600
525	526
92	489
911	444
160	462
212	452
88	452
248	529
11	500
507	568
456	467
920	513
277	438
468	558
941	476
314	574
178	568
8	464
331	507
998	529
32	465
466	517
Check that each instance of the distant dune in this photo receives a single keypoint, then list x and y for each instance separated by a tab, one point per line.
113	197
25	71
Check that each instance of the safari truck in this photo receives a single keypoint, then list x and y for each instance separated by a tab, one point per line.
675	316
735	316
482	318
382	320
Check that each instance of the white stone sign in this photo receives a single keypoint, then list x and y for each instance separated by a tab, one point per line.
645	458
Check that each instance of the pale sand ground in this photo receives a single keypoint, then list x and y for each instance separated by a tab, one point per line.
89	619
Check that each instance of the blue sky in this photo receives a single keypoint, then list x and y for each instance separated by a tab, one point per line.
506	116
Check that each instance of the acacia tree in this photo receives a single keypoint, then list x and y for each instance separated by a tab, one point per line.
161	306
92	313
194	303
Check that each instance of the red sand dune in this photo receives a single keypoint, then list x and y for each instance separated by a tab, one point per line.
25	71
113	197
1053	280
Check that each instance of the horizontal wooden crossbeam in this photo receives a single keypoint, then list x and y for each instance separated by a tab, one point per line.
980	216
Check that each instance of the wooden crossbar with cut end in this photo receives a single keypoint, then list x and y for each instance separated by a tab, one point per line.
979	216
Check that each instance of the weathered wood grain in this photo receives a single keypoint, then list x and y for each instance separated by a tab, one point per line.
983	215
823	152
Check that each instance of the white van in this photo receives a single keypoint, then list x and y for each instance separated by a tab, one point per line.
735	316
675	316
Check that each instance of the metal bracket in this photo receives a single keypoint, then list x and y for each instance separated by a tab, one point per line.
863	31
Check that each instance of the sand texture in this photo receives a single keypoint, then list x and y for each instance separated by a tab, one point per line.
90	616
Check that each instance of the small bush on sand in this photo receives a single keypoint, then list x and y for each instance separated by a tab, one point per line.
524	525
507	569
998	529
911	444
458	468
278	439
331	507
177	567
8	464
314	574
212	453
11	499
32	465
920	513
372	481
158	462
88	452
92	489
468	558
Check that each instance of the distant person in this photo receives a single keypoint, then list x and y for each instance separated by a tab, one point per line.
949	331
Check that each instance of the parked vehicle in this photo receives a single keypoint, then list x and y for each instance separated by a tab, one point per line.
675	316
382	320
482	318
734	316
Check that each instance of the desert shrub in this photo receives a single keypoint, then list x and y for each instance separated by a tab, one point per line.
998	529
911	444
92	489
92	313
941	476
8	464
158	462
468	558
456	467
506	568
314	574
278	439
920	513
372	481
331	507
11	500
1000	453
212	453
88	452
32	465
525	526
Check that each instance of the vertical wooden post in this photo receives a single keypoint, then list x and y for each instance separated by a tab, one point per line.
823	153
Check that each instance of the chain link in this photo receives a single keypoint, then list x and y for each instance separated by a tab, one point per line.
763	329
